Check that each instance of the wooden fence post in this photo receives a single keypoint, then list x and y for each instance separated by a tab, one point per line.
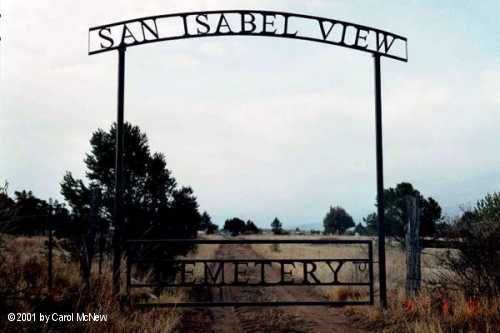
50	245
413	274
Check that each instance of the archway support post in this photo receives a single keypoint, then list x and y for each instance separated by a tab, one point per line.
118	202
380	183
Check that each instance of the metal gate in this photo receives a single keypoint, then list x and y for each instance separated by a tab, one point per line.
214	271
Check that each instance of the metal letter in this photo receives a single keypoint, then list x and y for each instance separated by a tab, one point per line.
237	272
127	34
153	31
184	272
266	23
336	270
286	28
310	272
285	273
359	38
244	22
385	42
204	24
108	38
208	273
223	24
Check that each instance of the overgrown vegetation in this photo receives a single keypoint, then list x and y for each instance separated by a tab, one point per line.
461	291
23	288
474	267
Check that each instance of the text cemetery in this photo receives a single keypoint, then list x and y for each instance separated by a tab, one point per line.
263	272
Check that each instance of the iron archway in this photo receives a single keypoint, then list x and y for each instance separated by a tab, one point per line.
145	30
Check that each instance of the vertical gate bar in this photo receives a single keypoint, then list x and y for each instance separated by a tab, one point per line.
370	271
380	183
118	209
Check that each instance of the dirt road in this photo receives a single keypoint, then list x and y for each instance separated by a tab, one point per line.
317	319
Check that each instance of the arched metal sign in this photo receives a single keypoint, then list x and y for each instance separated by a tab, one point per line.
121	35
167	27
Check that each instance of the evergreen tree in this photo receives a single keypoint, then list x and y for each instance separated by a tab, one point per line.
235	226
207	225
396	212
337	220
251	228
276	226
153	205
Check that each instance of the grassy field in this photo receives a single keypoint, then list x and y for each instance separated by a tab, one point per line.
433	311
23	288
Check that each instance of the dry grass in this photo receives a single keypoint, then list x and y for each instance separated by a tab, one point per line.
23	287
431	312
23	269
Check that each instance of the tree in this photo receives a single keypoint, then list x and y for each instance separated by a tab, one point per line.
429	217
212	229
337	220
235	226
371	224
29	215
6	207
396	214
205	221
207	225
251	228
182	214
487	208
360	229
153	205
276	226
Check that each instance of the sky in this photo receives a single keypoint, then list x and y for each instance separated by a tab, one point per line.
261	127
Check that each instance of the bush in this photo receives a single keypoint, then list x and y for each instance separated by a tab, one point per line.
475	265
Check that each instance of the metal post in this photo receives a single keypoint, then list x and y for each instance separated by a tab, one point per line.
118	209
380	184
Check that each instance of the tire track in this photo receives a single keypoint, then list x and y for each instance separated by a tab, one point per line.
263	319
